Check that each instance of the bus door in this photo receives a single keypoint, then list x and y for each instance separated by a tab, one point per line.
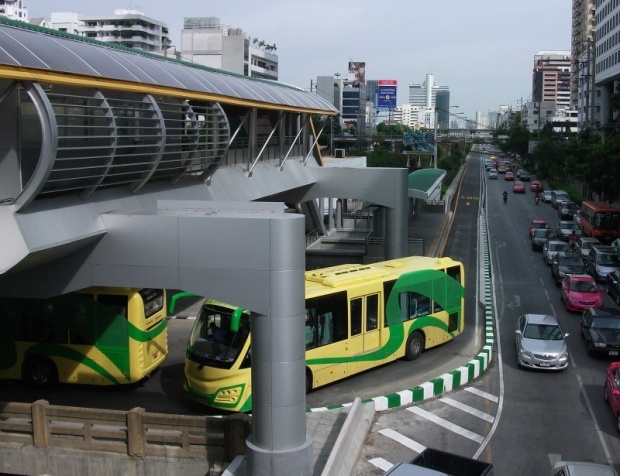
112	334
365	332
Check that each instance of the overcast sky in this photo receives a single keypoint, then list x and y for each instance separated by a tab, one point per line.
482	49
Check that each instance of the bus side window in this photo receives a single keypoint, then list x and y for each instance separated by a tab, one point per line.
356	316
420	305
81	324
403	304
372	312
311	326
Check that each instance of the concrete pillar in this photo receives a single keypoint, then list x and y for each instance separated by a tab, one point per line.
279	445
396	219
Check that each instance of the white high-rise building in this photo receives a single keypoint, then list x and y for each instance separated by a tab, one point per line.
14	9
129	28
426	96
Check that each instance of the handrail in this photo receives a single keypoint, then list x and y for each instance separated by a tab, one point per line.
133	433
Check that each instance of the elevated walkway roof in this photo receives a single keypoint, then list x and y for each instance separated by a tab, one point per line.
44	55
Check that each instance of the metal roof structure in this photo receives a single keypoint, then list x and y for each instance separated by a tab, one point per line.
58	57
423	182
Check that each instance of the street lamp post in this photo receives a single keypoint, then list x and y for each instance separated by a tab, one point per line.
435	119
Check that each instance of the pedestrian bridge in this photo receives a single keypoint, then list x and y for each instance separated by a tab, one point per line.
120	168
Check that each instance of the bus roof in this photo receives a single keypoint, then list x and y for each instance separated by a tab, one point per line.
323	280
599	206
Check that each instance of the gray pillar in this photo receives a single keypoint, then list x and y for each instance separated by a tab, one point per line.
339	213
331	213
396	219
378	222
279	444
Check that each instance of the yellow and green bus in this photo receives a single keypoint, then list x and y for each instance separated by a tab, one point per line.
357	317
96	336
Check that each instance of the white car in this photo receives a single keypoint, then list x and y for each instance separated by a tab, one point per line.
584	245
581	468
493	174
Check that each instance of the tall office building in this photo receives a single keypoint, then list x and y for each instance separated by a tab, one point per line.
551	78
206	41
14	9
607	57
425	95
585	98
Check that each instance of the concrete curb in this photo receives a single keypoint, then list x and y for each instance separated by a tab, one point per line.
343	456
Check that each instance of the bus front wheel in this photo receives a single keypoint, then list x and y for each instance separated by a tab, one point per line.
40	372
415	346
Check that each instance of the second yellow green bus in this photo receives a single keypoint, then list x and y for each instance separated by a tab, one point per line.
356	317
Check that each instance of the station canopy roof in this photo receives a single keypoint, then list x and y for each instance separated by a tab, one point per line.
23	45
423	182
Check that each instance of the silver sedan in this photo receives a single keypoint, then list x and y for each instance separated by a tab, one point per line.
540	342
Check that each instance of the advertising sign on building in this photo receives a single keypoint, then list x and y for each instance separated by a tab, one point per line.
386	94
357	70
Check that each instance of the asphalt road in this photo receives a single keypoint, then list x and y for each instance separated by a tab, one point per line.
519	420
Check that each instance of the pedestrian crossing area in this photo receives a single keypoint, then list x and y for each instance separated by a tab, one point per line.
458	422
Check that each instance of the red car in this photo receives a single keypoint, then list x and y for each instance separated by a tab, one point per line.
536	186
518	187
535	224
612	391
581	292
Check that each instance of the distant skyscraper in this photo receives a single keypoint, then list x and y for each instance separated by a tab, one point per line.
551	78
428	95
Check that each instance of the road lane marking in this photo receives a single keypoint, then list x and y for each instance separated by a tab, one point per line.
446	424
480	393
467	409
381	463
403	440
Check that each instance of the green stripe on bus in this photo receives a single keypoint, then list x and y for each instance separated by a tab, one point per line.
59	350
145	336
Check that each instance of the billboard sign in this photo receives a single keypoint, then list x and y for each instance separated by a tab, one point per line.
386	94
357	70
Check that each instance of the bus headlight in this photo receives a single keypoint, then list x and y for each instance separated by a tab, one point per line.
229	396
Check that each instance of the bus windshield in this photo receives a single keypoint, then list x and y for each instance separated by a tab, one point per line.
607	221
212	342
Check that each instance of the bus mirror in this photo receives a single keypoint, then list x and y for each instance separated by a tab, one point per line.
235	318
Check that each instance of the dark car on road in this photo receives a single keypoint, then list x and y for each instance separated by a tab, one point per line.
539	236
566	262
601	330
612	286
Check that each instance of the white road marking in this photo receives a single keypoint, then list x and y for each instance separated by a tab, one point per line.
480	393
467	409
381	464
446	424
403	440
